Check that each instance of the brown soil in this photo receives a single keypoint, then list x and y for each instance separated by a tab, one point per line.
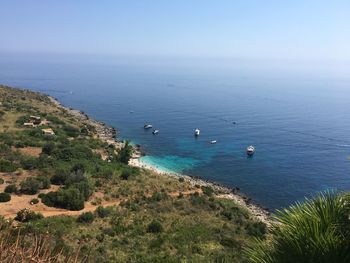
30	151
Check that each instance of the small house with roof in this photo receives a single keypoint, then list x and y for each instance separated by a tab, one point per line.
48	131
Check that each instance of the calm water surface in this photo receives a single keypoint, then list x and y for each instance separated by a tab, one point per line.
298	122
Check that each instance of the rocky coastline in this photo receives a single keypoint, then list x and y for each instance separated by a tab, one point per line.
109	135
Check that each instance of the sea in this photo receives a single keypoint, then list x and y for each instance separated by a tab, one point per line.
295	113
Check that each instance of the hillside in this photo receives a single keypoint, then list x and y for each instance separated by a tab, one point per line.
69	183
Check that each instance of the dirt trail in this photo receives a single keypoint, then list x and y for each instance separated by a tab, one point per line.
18	202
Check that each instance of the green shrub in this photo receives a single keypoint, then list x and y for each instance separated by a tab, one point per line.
100	237
7	166
257	229
155	227
74	178
4	149
84	188
29	163
73	152
48	148
125	175
41	195
70	199
2	181
5	197
98	183
103	212
125	153
30	186
86	217
54	120
25	215
108	231
34	201
71	131
159	196
78	168
45	182
11	188
22	120
60	177
207	190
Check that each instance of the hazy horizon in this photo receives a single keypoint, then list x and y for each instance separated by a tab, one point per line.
299	30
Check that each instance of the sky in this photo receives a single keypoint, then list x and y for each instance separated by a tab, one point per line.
301	29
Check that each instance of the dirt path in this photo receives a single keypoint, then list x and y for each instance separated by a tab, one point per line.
18	202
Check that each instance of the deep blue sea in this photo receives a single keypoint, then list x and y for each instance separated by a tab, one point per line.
298	119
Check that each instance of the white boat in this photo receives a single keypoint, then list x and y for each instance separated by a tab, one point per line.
213	142
197	132
155	132
250	150
147	126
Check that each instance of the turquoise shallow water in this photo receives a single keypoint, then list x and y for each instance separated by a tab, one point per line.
170	163
298	122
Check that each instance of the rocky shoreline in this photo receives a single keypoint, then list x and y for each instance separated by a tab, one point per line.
109	134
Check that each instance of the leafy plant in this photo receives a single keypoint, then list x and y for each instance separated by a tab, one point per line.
5	197
7	166
86	217
103	212
155	227
11	188
317	230
125	153
26	215
30	186
48	148
70	198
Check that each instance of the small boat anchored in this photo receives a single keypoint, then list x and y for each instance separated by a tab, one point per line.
147	126
250	150
155	132
213	141
197	132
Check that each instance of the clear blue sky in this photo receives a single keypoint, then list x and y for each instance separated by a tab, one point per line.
214	28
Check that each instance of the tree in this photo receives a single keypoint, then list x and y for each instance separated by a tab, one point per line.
59	177
70	199
30	186
315	231
155	227
86	217
29	163
45	182
48	148
78	168
125	175
7	166
125	153
84	188
4	197
11	188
